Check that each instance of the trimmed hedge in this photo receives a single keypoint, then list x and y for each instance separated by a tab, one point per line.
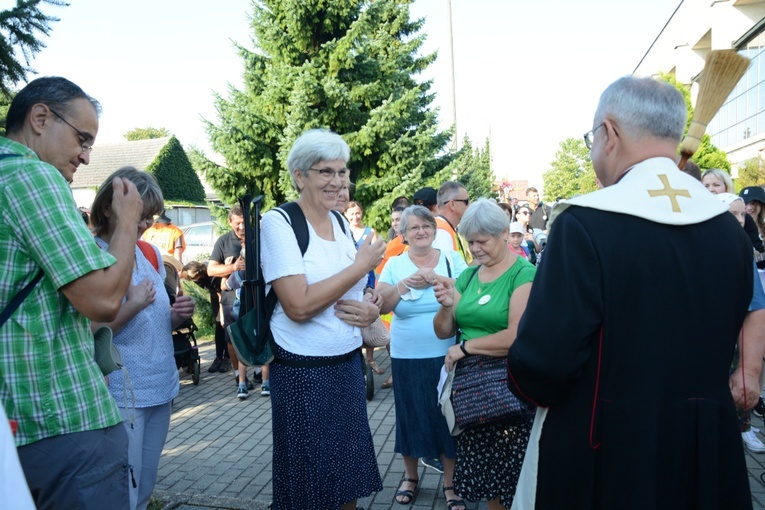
175	175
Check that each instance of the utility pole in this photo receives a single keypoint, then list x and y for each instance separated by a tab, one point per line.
452	88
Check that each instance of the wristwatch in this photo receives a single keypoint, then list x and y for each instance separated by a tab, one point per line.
462	347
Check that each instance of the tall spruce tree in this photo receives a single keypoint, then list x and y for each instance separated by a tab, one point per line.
346	65
19	28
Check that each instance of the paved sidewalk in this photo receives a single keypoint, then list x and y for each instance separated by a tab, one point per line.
218	451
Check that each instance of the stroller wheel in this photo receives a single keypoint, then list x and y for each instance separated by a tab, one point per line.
195	372
369	381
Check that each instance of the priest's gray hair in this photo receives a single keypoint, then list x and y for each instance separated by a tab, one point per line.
722	176
313	146
484	217
421	212
644	107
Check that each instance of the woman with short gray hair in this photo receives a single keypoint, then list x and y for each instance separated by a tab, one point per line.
323	454
417	354
486	304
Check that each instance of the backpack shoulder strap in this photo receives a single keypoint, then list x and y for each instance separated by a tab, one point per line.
149	253
299	224
340	220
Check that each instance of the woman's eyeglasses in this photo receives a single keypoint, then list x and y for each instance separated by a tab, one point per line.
328	174
417	228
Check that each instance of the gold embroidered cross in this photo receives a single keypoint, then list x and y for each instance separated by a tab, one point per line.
669	192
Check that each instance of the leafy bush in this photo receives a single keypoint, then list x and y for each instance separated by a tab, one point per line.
203	313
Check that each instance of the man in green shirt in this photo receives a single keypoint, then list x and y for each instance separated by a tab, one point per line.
71	442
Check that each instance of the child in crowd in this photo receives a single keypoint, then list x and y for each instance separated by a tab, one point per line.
515	242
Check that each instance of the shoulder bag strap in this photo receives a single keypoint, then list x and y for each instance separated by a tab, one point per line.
19	298
149	253
22	295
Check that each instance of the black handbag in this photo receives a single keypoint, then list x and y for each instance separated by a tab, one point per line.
480	395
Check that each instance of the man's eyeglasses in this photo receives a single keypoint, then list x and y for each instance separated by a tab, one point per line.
465	201
328	174
83	137
590	135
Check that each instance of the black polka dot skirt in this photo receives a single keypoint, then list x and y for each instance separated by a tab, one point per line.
323	456
489	460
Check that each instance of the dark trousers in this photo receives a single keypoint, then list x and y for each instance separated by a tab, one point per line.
83	470
221	350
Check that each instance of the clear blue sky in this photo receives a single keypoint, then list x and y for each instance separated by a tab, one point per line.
531	71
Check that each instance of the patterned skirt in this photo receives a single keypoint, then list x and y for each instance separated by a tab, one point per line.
323	454
489	461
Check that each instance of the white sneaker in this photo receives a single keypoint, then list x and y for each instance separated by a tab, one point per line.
752	442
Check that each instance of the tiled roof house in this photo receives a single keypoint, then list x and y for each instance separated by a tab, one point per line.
105	159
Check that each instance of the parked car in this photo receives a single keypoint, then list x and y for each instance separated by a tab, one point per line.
200	239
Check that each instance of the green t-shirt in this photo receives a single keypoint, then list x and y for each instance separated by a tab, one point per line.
483	307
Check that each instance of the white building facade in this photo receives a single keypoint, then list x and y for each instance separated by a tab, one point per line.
699	26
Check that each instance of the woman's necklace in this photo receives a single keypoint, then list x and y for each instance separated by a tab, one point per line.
486	298
435	254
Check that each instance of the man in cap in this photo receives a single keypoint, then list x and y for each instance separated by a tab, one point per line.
71	441
426	197
166	236
615	345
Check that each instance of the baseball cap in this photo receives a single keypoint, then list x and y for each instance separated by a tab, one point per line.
751	193
516	228
425	197
728	198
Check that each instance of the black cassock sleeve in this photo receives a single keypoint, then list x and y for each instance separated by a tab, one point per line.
559	330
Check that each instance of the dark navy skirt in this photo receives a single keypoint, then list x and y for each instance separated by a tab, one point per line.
421	429
323	454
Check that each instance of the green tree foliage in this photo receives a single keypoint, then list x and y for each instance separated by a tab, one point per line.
571	172
751	173
175	175
19	29
146	133
472	168
5	104
707	155
345	65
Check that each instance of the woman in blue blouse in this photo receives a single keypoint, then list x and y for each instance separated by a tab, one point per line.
417	355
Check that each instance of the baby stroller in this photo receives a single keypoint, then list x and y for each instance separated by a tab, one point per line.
184	341
186	351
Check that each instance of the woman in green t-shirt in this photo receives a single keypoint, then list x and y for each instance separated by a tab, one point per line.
486	303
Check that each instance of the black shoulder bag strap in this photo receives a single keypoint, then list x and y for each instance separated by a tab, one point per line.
19	298
470	279
22	295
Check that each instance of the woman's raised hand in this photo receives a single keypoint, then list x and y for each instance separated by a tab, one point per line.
422	279
444	294
370	253
141	295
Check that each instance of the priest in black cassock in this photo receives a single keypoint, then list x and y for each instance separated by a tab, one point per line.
628	336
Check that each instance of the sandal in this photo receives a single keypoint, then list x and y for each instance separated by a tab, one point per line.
452	503
406	495
387	384
375	367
